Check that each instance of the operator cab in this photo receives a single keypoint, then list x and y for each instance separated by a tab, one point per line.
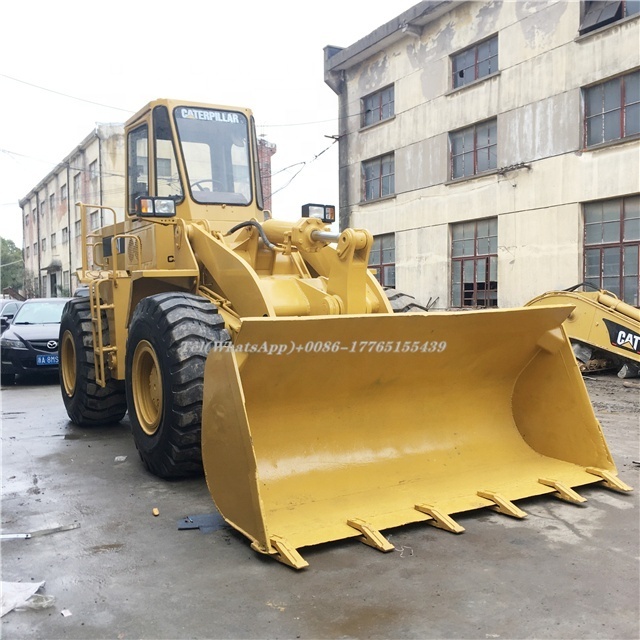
195	155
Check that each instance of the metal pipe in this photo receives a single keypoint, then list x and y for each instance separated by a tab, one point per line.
324	236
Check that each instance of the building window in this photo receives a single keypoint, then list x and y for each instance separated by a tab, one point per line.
76	186
379	177
599	13
65	235
612	246
42	207
43	245
612	109
34	215
93	171
378	106
35	249
382	259
53	240
474	149
52	203
474	63
63	192
26	219
26	252
78	228
94	220
163	169
66	282
474	263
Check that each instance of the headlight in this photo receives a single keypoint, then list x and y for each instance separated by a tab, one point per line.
159	207
324	212
6	343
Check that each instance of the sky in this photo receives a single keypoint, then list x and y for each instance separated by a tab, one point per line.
67	65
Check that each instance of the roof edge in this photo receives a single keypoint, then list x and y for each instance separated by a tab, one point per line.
408	23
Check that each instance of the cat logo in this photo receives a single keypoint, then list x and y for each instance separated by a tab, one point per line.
208	114
622	337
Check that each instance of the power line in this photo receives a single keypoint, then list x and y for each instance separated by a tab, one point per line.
304	165
65	95
108	106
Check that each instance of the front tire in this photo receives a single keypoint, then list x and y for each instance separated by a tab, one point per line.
87	403
170	336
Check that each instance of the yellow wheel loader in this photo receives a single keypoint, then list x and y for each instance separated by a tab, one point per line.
266	353
601	327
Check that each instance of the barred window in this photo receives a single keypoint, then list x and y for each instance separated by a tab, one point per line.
378	106
379	177
475	62
382	259
612	109
474	263
474	149
600	13
612	246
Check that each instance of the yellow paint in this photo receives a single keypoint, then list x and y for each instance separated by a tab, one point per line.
300	444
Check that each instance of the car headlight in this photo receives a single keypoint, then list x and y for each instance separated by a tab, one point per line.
6	343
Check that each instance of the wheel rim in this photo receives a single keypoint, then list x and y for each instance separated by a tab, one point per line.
147	387
68	363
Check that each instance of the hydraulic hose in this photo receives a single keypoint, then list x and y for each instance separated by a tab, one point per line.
258	226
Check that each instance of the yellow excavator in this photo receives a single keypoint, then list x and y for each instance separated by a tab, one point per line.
267	354
604	330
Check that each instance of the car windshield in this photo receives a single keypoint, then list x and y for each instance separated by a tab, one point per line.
44	312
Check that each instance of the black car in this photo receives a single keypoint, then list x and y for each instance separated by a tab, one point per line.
8	308
30	342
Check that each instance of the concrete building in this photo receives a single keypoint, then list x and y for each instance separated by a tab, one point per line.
92	173
493	148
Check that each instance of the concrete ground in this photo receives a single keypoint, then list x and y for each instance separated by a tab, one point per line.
564	572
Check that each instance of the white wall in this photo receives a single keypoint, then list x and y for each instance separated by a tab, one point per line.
536	97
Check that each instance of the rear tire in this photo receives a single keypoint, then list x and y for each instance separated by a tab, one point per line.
170	336
87	403
402	302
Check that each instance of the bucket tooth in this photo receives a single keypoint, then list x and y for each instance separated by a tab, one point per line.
286	553
439	519
502	505
562	491
370	536
610	481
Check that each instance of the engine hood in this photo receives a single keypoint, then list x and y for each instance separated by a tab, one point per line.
30	332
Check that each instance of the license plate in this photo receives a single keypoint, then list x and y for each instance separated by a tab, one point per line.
47	360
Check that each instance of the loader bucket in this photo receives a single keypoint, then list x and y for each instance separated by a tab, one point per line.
324	428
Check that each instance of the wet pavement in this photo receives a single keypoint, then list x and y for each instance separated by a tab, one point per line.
566	571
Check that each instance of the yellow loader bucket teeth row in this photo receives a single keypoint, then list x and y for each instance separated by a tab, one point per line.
324	428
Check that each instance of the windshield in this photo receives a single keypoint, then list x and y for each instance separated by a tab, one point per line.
41	312
215	148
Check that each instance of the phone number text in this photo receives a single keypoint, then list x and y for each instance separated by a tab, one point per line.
319	346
